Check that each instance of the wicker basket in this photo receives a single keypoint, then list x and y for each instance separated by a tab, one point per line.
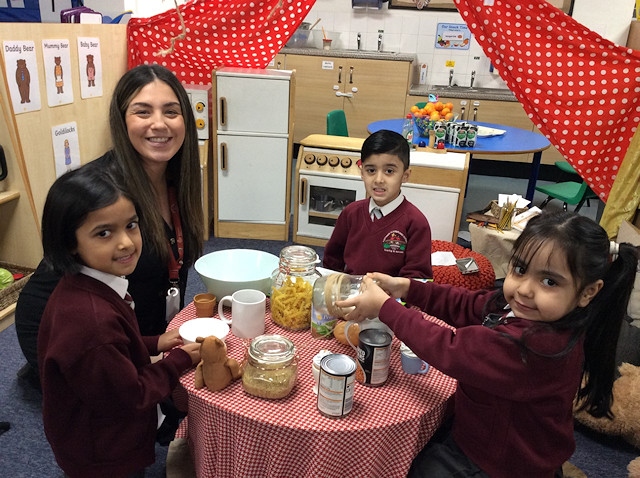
10	294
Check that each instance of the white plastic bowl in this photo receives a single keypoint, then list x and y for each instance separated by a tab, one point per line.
203	327
224	272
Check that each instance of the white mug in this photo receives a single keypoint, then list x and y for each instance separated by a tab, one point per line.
247	312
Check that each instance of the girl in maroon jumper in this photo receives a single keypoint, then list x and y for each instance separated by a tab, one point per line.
100	391
521	354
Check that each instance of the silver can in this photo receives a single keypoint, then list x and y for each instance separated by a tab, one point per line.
336	384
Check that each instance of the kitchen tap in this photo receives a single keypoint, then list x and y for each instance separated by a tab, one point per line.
450	77
473	78
359	37
380	41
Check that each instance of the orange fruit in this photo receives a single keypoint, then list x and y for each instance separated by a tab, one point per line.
449	105
414	109
445	111
449	116
438	106
435	116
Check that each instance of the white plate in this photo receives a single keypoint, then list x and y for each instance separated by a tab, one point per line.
484	132
203	327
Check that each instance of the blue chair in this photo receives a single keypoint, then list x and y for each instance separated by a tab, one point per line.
337	123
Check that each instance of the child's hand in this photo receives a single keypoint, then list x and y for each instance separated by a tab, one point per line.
169	339
367	304
194	352
396	287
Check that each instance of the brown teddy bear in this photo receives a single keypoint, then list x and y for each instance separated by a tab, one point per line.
626	411
215	370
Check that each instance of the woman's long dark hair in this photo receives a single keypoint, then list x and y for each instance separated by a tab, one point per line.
586	248
183	170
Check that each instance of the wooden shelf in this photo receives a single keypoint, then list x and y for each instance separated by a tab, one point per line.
7	196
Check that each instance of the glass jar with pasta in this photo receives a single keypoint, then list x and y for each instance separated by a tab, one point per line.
292	288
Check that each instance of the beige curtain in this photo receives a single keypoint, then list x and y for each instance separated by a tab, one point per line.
624	197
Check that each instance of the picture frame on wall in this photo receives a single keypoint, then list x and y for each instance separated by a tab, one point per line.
433	5
443	5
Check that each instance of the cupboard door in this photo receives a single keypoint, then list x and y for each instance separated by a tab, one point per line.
253	104
252	187
378	89
317	81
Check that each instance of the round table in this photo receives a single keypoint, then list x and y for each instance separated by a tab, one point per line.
232	433
513	141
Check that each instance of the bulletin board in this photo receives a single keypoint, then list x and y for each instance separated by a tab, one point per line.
29	136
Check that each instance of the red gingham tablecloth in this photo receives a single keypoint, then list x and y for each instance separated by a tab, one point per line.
234	434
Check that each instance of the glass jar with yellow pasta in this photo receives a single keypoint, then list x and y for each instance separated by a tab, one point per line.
292	288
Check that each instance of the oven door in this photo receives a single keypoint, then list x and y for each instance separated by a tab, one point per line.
321	198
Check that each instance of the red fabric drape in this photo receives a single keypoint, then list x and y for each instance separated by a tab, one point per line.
581	90
241	33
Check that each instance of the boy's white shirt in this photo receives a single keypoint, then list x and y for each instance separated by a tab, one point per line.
387	208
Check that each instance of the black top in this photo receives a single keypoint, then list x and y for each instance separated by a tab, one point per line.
148	285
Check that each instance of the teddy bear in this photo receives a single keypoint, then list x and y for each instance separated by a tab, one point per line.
215	369
626	411
91	71
23	79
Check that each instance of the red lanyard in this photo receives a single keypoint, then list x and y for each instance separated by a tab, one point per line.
174	265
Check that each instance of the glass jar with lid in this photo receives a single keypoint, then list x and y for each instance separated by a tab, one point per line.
271	367
292	287
333	287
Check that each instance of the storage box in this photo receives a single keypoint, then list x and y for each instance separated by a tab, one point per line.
9	294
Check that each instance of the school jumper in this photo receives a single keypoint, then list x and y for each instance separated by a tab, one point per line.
511	417
100	389
148	286
398	244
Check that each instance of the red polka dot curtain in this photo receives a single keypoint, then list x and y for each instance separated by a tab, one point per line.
211	33
581	90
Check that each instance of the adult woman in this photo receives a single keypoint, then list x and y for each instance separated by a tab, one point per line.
155	155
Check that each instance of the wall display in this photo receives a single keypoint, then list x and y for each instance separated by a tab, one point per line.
20	57
424	5
453	36
57	71
66	147
90	62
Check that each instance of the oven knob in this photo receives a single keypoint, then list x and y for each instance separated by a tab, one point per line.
334	161
309	158
346	163
321	160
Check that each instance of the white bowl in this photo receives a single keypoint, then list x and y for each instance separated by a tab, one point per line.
224	272
203	327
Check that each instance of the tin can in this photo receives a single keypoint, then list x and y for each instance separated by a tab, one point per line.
335	387
374	354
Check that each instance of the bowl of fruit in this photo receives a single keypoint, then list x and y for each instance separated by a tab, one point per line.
426	117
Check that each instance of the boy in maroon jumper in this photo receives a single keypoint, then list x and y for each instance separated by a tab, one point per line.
384	233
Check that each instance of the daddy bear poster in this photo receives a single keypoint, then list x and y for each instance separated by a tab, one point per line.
20	58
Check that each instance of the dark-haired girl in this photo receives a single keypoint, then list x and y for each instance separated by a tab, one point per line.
521	354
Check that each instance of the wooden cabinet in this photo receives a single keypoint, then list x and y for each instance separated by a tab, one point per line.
366	89
278	63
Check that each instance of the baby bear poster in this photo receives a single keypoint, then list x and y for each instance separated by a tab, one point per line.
90	62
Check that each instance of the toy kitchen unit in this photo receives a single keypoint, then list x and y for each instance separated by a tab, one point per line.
328	178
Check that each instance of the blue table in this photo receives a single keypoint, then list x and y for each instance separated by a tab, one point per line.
514	141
